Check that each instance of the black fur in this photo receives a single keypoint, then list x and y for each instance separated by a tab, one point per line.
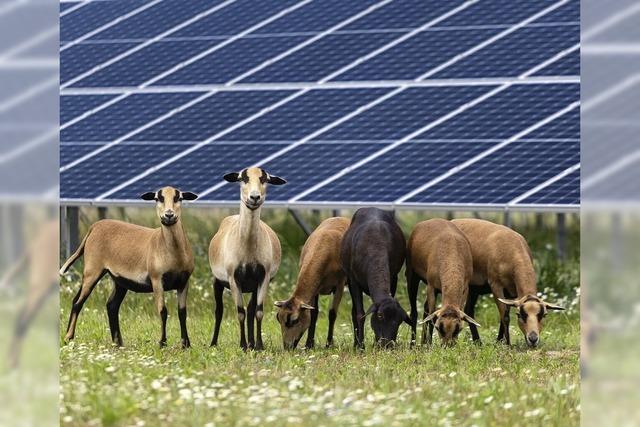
249	277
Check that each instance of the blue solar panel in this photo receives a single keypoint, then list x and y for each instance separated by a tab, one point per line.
417	55
67	5
235	18
567	66
73	106
509	112
83	57
514	54
98	174
231	61
505	174
321	58
203	168
92	16
125	116
389	177
565	191
155	20
145	64
305	114
368	107
211	116
316	16
404	113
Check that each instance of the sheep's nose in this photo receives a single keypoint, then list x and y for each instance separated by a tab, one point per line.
255	197
533	338
169	214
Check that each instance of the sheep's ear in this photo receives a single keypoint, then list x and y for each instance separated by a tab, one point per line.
429	318
149	195
550	306
370	310
307	306
188	195
509	302
276	180
279	303
232	177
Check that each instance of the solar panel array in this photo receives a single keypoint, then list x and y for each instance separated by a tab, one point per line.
405	103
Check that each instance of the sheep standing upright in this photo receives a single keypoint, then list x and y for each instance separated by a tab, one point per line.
439	255
244	255
320	273
372	255
502	258
139	259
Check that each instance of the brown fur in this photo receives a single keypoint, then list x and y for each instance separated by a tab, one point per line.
320	274
502	258
439	254
137	258
244	240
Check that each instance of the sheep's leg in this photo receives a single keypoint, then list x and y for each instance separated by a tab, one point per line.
429	308
218	289
311	333
182	315
113	311
89	282
262	295
237	298
251	316
30	309
357	316
413	281
158	296
503	334
470	310
333	312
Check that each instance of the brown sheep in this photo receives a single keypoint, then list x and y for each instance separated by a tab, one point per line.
439	255
320	274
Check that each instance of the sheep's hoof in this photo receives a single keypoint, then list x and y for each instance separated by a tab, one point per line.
186	343
162	344
309	346
259	347
329	344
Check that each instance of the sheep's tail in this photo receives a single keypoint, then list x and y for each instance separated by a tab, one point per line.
77	254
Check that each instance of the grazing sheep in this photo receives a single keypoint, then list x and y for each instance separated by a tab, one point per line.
320	274
244	254
138	259
439	255
372	255
502	258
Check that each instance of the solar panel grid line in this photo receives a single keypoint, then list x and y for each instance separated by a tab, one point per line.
191	103
137	130
28	145
26	44
73	8
27	94
610	21
629	159
8	7
290	98
150	41
544	185
494	39
109	24
183	64
307	42
486	153
339	84
387	96
610	92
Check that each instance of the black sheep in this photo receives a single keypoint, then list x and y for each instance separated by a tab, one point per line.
372	254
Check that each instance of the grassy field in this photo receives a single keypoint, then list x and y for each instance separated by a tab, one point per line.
468	385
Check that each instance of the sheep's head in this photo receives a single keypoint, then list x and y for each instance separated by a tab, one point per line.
531	311
168	203
448	322
253	185
386	318
294	317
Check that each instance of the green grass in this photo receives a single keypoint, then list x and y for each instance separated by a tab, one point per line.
466	385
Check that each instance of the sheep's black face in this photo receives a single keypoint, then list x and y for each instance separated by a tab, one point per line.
169	203
386	319
253	185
